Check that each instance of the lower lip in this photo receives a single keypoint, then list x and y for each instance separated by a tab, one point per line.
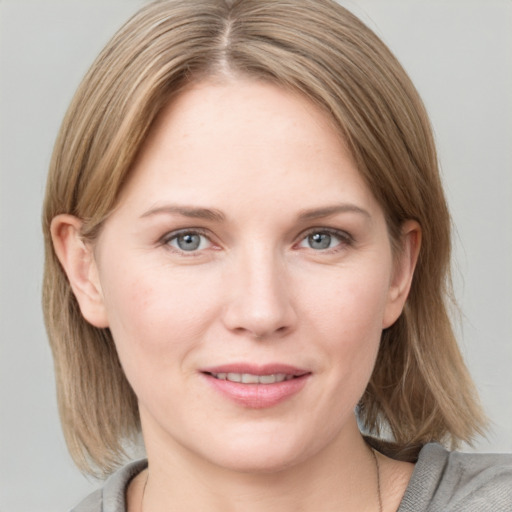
258	396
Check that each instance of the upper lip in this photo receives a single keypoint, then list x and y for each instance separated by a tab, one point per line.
265	369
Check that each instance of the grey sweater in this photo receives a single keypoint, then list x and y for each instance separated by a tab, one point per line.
442	481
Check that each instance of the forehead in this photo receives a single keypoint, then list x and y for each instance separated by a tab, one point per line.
243	139
231	111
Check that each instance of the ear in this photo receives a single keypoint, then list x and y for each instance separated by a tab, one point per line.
77	259
405	263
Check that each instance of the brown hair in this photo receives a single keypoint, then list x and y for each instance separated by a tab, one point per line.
420	389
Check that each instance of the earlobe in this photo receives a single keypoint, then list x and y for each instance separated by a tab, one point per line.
77	259
403	272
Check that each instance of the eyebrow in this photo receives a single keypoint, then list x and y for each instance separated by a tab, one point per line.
217	216
186	211
327	211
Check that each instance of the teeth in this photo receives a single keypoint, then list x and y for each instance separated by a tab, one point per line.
249	378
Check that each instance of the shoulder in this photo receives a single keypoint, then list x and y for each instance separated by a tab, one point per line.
111	497
453	481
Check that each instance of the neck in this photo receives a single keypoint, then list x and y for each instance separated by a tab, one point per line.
342	477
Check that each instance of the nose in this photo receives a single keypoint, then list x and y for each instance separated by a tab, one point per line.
260	303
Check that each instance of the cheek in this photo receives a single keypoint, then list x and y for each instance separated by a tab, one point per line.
155	315
348	302
346	318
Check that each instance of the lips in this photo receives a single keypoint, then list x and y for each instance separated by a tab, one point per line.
256	387
250	378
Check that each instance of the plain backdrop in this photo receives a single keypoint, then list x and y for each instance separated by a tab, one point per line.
459	54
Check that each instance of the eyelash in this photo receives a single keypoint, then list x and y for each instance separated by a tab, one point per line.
169	237
345	240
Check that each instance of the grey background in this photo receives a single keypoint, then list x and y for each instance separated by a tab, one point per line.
459	53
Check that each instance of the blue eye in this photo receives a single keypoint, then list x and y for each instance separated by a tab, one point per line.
188	241
322	240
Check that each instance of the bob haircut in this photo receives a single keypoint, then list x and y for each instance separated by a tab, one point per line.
420	390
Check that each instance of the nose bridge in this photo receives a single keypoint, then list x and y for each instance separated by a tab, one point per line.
260	302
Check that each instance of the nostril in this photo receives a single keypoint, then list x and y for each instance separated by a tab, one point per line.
260	314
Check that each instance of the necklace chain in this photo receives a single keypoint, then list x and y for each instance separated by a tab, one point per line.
144	489
377	468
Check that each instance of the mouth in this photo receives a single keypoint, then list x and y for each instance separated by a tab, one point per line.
251	378
257	387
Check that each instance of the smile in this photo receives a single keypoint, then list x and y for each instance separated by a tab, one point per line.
249	378
256	387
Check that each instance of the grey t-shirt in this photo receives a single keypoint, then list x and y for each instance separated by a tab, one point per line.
442	481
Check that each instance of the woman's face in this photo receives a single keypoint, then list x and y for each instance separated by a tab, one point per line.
246	277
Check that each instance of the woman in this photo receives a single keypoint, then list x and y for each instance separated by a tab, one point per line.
247	259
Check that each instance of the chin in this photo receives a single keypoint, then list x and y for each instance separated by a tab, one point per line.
260	454
263	462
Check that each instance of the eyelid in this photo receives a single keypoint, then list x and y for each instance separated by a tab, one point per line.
345	238
166	239
183	231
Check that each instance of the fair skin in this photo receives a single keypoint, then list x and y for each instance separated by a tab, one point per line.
246	243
